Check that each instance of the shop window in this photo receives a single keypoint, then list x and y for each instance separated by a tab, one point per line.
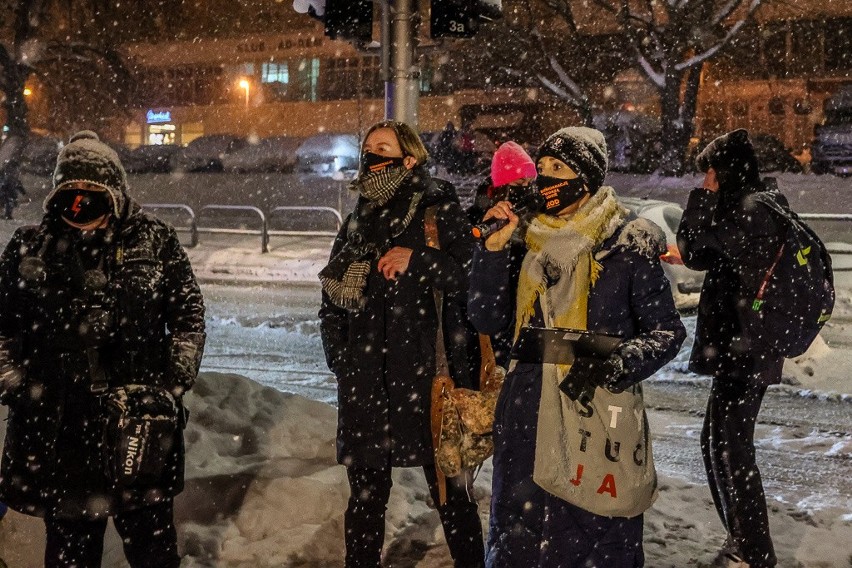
775	49
133	134
838	44
304	76
274	73
805	45
776	106
743	53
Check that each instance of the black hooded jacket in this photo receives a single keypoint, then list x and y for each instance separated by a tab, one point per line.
735	239
384	354
53	458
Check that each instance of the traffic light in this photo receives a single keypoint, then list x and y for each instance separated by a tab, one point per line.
461	18
349	19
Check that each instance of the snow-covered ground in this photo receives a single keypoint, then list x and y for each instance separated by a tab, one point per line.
263	488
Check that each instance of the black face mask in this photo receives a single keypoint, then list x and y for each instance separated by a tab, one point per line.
373	163
559	193
80	206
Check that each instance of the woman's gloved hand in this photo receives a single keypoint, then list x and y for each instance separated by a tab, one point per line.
588	373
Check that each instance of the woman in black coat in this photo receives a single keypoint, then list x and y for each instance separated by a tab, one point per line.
379	326
98	297
588	264
726	231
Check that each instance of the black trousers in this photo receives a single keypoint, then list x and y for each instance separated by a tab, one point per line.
364	521
148	535
727	444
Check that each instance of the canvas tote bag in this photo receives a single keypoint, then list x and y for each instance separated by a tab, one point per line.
595	454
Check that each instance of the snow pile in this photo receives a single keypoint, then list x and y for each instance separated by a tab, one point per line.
826	366
263	489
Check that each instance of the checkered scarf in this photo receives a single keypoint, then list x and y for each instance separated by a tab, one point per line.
371	228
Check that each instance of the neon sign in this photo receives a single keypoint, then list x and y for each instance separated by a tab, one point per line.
158	116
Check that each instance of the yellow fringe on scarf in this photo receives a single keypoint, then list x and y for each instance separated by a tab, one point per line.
566	244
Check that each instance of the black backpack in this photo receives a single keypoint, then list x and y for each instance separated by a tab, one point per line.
795	297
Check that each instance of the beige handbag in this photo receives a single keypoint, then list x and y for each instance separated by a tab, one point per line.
461	419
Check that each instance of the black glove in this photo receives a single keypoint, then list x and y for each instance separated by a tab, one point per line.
185	354
588	373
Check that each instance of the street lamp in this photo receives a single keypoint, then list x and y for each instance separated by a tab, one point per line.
27	91
244	84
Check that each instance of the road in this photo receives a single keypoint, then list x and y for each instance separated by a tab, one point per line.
804	439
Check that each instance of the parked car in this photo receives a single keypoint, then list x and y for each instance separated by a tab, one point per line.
132	162
273	154
328	154
686	283
39	156
204	154
831	150
153	158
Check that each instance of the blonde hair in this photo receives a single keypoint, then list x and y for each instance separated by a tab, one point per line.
409	141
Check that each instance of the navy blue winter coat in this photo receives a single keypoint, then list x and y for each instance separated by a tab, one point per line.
735	240
630	298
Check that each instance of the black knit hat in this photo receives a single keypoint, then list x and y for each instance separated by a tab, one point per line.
86	159
732	156
583	149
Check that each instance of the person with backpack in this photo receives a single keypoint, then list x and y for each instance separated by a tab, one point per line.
739	229
386	293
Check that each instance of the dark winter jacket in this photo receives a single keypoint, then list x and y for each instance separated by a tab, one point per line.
53	460
11	186
384	354
631	298
735	240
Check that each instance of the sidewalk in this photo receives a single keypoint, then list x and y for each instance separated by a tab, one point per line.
239	260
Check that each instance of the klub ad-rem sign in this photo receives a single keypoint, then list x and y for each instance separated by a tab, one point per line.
274	45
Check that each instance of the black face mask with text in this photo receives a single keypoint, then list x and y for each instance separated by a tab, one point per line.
81	206
559	193
373	163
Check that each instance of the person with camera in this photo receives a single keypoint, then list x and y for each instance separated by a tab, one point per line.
101	333
588	265
386	294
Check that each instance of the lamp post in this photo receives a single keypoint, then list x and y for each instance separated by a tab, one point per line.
244	84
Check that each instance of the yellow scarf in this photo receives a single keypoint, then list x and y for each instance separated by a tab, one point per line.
560	267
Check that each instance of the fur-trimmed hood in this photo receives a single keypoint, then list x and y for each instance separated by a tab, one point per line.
637	234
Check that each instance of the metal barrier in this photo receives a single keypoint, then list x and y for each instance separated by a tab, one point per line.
277	210
812	218
263	231
193	224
